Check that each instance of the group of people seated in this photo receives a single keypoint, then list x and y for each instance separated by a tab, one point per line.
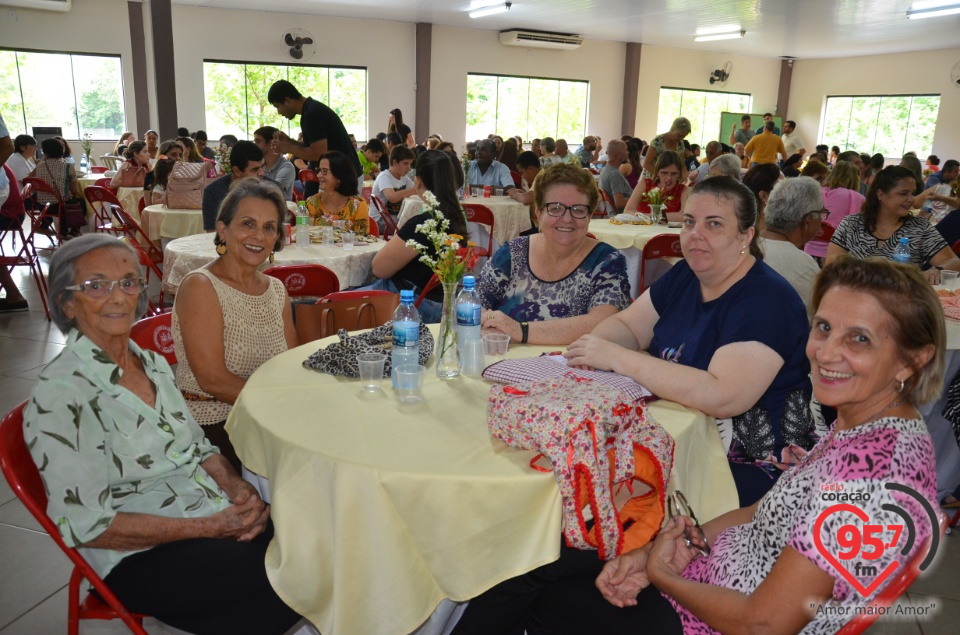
143	478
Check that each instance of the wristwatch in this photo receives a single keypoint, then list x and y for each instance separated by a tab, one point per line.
524	332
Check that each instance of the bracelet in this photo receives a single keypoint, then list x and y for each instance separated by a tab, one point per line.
524	332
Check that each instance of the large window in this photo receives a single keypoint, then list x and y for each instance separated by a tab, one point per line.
236	96
891	125
526	106
702	108
83	94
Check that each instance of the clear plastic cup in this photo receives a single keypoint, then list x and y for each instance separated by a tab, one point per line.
371	370
348	238
328	235
410	382
472	357
496	344
476	191
948	279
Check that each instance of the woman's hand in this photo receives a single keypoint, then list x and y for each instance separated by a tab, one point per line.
670	554
501	322
242	521
624	577
593	352
932	275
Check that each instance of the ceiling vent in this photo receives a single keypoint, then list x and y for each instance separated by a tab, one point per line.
540	39
44	5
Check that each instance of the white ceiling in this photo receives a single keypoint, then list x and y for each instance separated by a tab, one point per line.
775	28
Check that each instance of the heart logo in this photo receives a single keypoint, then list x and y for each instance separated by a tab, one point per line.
883	575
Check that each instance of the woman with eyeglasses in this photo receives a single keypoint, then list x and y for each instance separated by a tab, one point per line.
133	483
554	286
725	335
673	192
885	219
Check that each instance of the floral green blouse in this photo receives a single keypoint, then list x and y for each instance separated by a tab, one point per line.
101	450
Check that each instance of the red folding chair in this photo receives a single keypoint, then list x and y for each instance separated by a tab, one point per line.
477	213
893	591
387	217
660	246
98	169
39	185
132	230
825	233
155	334
152	269
305	280
101	199
24	479
14	211
432	284
517	179
307	176
606	208
103	183
372	228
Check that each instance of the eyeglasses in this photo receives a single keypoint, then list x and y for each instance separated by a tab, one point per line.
824	213
102	288
557	210
323	171
677	505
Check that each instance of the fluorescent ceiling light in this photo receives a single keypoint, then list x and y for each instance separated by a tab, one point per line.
715	30
932	11
499	8
719	36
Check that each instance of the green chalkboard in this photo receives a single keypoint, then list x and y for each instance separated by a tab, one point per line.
728	119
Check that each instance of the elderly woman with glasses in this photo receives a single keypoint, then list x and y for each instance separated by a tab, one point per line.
133	483
554	286
794	213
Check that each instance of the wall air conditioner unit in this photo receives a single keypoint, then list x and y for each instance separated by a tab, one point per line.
43	5
540	39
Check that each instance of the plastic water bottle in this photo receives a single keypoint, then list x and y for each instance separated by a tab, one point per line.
406	334
468	326
303	225
902	253
83	163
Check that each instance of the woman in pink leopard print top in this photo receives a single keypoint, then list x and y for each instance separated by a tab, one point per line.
876	350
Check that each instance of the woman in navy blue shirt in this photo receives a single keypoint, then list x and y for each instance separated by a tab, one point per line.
726	335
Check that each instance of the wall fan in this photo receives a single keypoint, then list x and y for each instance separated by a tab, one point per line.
955	75
722	74
299	44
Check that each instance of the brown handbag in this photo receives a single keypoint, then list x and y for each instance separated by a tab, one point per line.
185	186
133	178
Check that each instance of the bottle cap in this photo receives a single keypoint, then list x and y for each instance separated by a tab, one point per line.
406	295
469	281
904	240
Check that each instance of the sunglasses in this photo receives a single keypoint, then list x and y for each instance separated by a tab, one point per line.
677	505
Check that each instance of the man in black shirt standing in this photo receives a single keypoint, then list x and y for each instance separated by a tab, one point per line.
321	126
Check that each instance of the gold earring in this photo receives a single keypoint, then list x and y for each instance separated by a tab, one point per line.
222	249
902	384
271	256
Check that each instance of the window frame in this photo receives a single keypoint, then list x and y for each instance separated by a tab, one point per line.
703	142
559	80
73	83
824	124
290	122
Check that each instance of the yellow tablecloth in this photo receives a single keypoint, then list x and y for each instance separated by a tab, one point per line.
626	236
510	217
382	509
353	268
163	222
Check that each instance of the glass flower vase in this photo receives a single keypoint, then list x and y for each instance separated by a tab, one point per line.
656	213
448	356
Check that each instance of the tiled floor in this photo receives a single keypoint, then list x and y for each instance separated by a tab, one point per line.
34	573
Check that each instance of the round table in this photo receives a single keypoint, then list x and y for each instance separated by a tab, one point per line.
162	222
630	239
510	217
353	268
129	197
411	504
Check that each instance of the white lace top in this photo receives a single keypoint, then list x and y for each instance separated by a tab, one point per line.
252	334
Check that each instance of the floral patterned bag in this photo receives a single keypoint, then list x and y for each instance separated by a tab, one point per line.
601	442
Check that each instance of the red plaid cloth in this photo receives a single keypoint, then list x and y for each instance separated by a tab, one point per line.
548	365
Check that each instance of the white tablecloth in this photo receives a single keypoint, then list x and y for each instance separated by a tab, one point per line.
382	510
353	268
510	217
630	239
